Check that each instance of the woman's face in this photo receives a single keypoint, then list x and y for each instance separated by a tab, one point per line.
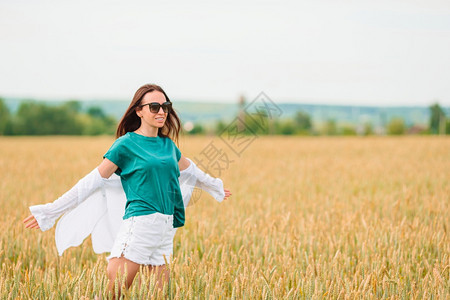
149	118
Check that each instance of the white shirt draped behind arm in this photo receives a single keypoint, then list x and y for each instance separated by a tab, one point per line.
99	213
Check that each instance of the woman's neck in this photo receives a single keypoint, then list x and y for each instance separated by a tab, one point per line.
150	132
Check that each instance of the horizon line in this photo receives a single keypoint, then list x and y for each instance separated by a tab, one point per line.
304	101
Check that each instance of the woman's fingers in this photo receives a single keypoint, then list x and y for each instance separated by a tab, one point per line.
35	226
31	222
227	193
28	218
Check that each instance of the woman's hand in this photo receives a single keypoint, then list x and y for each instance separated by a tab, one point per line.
227	194
31	222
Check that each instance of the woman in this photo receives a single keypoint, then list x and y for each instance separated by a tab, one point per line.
149	164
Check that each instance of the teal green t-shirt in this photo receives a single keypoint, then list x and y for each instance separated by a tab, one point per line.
148	168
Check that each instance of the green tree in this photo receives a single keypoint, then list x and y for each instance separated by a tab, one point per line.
330	127
367	128
348	129
96	122
256	124
220	127
73	106
198	129
396	126
437	119
286	127
96	112
39	119
5	117
303	120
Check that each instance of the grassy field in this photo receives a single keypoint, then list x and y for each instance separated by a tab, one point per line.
310	218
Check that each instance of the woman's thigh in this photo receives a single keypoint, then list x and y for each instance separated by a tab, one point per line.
120	266
161	274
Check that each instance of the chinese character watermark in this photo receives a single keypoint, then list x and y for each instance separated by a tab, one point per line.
235	138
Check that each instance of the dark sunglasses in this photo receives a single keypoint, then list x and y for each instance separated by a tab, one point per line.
155	106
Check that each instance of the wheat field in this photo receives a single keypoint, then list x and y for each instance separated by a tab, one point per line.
310	218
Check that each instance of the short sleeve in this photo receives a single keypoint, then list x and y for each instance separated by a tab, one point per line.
116	155
178	153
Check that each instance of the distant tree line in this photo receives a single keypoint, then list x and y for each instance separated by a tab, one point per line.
34	118
302	124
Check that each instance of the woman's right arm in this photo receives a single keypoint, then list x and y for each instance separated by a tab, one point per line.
107	168
44	216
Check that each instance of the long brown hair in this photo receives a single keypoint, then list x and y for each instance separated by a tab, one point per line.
131	122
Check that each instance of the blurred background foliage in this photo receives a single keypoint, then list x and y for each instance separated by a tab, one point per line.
67	118
30	117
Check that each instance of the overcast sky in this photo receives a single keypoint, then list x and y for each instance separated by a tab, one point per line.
332	52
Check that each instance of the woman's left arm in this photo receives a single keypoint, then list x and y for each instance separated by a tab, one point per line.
183	163
204	178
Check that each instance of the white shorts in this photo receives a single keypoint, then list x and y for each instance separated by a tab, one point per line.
145	240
